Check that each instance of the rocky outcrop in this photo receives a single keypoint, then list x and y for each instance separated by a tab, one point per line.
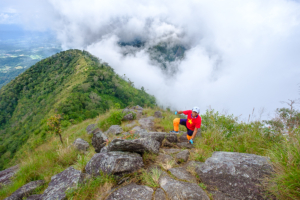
182	156
137	110
60	183
114	130
160	136
6	175
128	117
163	158
25	190
147	123
140	145
81	144
178	190
90	128
170	151
158	114
99	140
104	150
160	195
115	162
132	191
182	174
237	175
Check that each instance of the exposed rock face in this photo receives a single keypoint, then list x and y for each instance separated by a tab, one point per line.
182	174
140	145
34	197
128	117
160	195
163	158
6	175
160	136
183	156
137	107
237	175
147	123
114	163
158	114
25	190
115	130
60	183
170	151
90	128
138	130
178	190
104	150
81	144
99	140
132	191
185	145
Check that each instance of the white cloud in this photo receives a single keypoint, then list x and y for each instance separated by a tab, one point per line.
242	54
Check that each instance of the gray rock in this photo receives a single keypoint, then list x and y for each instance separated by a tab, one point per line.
166	143
183	138
60	183
138	113
132	191
99	140
170	151
128	117
115	130
160	136
140	145
192	164
147	123
139	130
90	128
137	107
178	190
34	197
158	114
81	144
185	145
25	190
104	150
160	194
181	173
163	158
183	156
238	175
220	196
114	163
7	174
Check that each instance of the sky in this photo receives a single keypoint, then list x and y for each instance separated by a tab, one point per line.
241	55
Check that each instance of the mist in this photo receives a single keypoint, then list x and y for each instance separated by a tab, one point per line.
239	55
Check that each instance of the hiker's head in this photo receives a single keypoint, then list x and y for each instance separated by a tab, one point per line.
195	112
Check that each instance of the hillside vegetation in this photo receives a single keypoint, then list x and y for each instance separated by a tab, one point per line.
72	83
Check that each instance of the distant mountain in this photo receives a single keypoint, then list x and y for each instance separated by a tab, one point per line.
72	82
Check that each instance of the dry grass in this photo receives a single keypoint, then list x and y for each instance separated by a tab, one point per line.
168	165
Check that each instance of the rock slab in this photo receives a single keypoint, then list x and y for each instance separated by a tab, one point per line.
81	144
60	183
147	123
160	195
115	130
132	191
90	128
98	140
182	174
114	162
237	175
160	136
178	190
140	145
183	156
25	190
7	174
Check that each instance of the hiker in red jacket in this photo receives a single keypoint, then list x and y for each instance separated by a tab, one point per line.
192	123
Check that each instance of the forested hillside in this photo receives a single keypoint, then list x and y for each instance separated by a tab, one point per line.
72	83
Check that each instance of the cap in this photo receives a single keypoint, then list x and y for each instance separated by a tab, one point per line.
196	109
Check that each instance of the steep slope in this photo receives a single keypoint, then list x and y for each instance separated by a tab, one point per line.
73	83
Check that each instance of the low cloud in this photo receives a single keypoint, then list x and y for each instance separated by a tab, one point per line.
239	55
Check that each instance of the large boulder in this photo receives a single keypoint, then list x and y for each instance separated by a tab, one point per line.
115	162
182	174
132	191
25	190
7	174
114	130
61	182
128	117
237	175
140	145
147	123
160	136
178	190
81	144
99	140
90	128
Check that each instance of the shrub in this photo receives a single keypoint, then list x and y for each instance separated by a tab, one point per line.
115	118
